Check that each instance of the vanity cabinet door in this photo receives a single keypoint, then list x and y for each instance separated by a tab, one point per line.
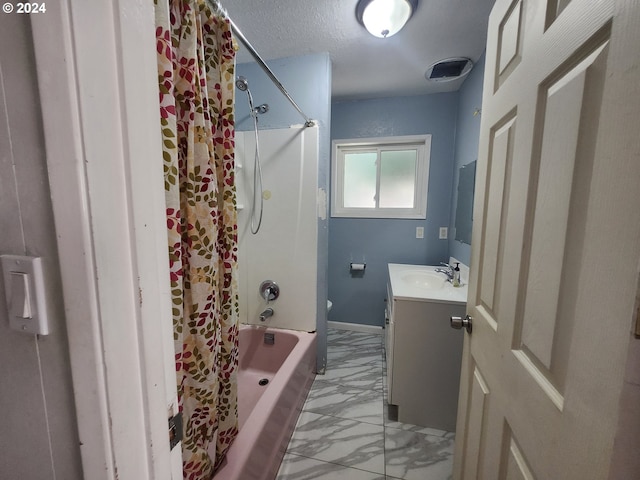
389	325
425	370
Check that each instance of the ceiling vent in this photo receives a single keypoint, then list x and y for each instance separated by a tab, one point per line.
448	69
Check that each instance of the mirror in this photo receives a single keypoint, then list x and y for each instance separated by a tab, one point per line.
464	208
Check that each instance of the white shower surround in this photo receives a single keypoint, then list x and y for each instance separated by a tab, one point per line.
285	248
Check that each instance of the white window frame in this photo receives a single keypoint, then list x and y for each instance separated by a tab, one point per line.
339	147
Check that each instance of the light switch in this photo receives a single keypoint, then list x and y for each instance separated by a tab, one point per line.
25	294
19	296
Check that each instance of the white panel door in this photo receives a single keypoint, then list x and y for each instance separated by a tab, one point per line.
555	245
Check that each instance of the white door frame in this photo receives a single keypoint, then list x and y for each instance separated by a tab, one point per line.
96	67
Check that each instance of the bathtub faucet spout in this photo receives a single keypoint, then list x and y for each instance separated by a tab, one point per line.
266	314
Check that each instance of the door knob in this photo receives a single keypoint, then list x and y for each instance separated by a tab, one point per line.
459	323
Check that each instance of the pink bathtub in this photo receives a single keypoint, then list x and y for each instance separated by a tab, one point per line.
268	413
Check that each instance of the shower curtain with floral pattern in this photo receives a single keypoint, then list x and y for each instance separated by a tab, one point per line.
196	62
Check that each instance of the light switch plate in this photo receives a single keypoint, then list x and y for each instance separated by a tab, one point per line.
25	294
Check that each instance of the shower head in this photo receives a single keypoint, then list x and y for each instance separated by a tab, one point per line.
242	84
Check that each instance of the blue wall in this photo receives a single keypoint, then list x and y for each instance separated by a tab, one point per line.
448	117
467	136
308	81
383	241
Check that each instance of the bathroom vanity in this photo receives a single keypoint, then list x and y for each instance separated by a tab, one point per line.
423	352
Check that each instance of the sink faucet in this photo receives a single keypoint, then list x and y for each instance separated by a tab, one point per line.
266	314
448	271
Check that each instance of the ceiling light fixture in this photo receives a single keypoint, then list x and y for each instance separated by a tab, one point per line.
384	18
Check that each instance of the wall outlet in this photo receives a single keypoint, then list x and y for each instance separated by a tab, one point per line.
419	232
444	233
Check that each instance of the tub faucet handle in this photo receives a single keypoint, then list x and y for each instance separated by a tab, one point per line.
269	290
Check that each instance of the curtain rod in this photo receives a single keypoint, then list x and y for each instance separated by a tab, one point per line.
216	6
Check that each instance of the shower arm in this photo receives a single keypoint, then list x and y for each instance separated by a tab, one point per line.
216	6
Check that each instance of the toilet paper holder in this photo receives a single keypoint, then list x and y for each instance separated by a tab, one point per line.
357	267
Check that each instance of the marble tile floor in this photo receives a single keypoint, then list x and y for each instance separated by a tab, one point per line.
347	431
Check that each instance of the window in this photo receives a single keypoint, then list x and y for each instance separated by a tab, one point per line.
380	177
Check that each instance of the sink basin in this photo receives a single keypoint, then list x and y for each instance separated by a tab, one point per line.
423	283
429	280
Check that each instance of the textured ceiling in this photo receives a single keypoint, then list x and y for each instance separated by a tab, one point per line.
364	66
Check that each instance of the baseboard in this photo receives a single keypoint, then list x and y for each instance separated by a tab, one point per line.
356	327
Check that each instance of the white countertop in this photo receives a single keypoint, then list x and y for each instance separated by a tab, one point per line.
404	285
